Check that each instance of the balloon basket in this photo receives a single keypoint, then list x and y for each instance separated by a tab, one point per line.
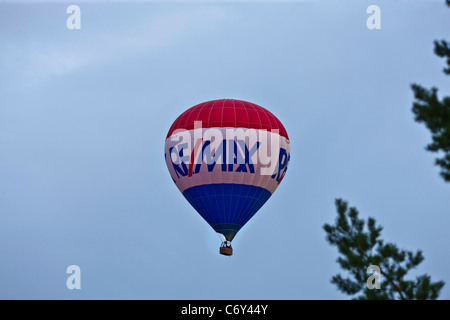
226	249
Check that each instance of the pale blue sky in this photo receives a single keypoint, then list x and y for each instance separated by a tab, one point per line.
84	115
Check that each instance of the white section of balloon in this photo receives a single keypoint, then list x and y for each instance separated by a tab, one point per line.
228	146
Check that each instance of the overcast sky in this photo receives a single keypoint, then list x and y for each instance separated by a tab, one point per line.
84	115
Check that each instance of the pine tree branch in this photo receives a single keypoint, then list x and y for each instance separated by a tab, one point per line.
394	285
391	281
355	246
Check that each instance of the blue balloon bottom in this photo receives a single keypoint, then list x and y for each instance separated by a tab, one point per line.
227	207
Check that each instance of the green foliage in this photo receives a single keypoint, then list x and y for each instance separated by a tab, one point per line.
360	246
435	113
436	116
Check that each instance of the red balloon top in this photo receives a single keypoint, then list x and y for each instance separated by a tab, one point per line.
228	113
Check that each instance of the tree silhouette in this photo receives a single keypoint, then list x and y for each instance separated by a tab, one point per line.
435	113
360	246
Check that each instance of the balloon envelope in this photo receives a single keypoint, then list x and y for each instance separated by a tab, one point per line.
227	157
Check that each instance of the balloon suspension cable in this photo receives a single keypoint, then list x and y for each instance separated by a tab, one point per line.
221	237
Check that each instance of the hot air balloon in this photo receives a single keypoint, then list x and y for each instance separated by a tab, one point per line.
227	157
